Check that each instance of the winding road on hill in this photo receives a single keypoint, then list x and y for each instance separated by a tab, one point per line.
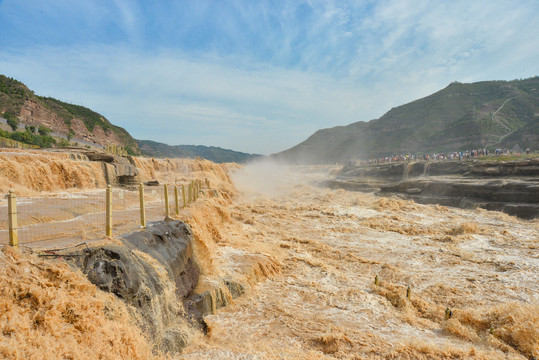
500	122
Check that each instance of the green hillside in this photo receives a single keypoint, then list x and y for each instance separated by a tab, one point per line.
14	94
215	154
462	116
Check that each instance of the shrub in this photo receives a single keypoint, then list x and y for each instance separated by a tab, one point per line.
43	130
64	143
13	122
45	141
24	137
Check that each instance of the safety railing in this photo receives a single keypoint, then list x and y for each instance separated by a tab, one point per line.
61	219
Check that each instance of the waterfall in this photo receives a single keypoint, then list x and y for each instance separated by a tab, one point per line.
407	169
426	169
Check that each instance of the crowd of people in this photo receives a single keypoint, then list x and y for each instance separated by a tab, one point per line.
456	155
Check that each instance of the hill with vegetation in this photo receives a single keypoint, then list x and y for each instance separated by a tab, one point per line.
215	154
46	122
20	106
491	114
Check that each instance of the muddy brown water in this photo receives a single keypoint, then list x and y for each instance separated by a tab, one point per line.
481	266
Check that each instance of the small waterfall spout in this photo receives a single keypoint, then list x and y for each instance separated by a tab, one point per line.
426	169
407	169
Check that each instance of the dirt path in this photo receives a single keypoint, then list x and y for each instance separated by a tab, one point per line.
500	122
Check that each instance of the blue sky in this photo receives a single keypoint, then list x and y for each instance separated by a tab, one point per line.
259	76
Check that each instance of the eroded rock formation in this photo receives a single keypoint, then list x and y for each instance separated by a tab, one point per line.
508	186
153	271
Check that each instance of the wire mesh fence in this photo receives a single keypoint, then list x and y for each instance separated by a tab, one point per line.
56	216
68	217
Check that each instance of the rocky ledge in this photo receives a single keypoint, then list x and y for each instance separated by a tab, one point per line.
482	168
513	196
508	186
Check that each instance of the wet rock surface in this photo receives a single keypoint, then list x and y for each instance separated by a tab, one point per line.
118	170
209	301
508	186
153	270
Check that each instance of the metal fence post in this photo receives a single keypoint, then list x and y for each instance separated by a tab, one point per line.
183	195
167	209
177	200
12	215
142	209
108	211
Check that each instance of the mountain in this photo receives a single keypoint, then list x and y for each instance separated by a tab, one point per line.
215	154
460	117
76	122
23	110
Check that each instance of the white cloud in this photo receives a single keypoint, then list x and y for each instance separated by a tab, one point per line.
144	93
273	74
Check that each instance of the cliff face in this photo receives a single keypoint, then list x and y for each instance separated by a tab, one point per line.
35	113
397	171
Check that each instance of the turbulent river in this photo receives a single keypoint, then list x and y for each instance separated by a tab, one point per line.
328	274
472	277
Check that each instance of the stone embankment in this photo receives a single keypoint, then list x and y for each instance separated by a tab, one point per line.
508	186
